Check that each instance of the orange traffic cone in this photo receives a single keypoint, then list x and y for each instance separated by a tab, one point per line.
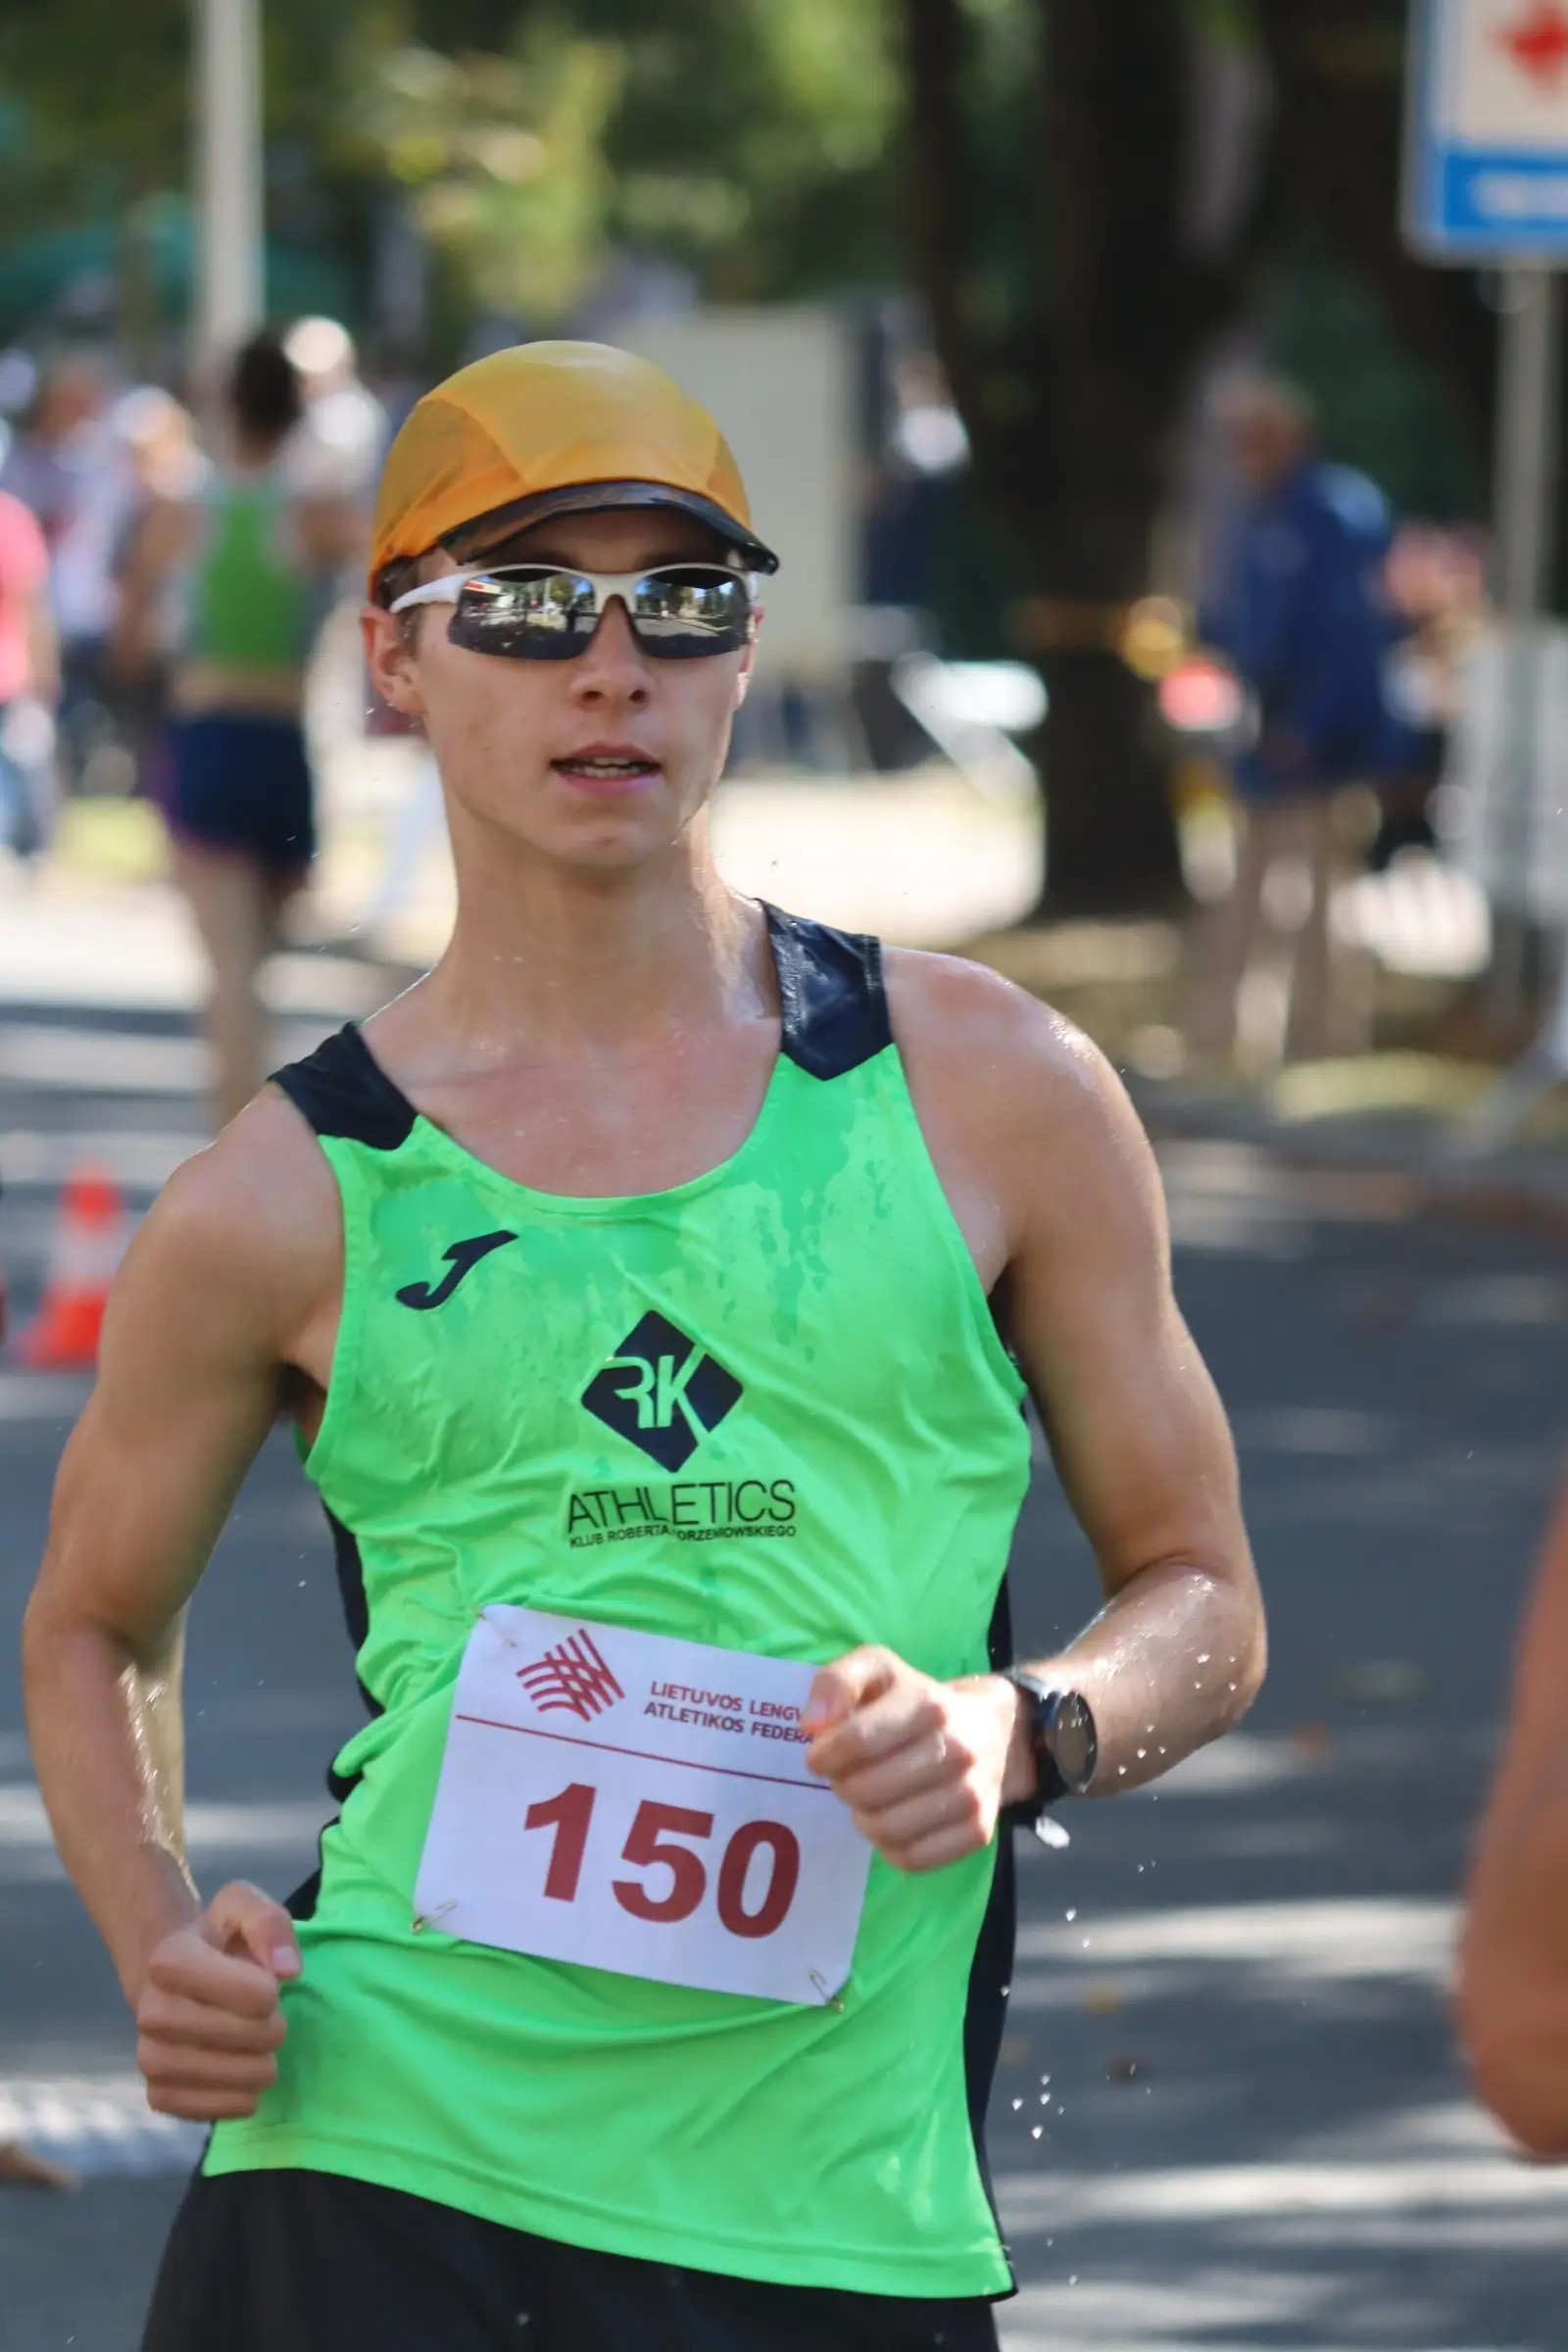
89	1243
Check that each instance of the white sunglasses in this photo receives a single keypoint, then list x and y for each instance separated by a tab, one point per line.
549	611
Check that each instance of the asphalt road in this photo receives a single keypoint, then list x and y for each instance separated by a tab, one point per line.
1229	2113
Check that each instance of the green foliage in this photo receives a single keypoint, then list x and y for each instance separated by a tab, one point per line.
95	151
749	140
504	156
1379	408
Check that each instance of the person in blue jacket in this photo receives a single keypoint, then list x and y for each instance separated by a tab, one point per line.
1301	617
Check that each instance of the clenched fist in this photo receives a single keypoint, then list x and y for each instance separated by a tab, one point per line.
924	1766
208	2017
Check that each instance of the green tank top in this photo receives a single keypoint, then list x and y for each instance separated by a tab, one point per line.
248	597
832	1452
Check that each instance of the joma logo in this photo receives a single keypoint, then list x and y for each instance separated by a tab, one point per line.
662	1392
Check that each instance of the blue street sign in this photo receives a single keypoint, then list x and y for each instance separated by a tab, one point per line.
1487	130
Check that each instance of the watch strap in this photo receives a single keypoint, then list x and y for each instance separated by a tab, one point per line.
1050	1786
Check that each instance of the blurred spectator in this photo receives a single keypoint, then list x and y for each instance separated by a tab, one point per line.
249	557
1513	1960
1300	616
168	472
64	463
337	452
29	680
1437	596
338	448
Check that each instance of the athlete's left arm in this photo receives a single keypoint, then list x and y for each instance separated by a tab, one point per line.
1054	1186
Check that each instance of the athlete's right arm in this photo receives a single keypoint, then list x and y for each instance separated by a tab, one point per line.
222	1290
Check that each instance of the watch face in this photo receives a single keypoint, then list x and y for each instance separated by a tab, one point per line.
1073	1743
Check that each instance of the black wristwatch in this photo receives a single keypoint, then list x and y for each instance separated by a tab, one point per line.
1062	1737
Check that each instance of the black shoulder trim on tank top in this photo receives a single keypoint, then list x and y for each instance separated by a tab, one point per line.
341	1089
831	988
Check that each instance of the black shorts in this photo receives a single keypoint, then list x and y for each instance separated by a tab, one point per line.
312	2261
238	780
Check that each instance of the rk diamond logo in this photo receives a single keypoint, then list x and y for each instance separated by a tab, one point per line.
662	1391
572	1678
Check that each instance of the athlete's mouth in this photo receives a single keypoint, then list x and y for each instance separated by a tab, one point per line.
608	767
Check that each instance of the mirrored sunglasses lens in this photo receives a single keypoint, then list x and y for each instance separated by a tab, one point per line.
545	614
680	613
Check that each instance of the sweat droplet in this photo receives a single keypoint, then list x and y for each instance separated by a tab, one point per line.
1016	2104
1035	2131
1069	1915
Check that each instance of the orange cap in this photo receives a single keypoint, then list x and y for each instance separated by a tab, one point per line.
552	428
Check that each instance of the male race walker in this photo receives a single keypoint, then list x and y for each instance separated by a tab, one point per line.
656	1288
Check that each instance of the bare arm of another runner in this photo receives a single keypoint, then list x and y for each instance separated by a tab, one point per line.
43	650
1514	1957
222	1282
159	542
332	532
1055	1186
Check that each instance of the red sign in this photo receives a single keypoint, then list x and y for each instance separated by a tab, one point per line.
1538	42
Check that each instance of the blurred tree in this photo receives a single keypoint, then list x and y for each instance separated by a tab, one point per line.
744	140
1379	406
747	143
1086	195
503	152
1070	369
1338	72
99	98
1091	195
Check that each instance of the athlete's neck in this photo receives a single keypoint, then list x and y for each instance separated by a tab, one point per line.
559	960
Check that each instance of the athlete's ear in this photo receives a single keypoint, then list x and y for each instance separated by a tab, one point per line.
389	658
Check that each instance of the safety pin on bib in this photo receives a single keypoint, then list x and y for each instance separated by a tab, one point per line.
830	2000
485	1618
431	1918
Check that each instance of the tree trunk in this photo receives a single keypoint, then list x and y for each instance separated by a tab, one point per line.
1070	403
1111	836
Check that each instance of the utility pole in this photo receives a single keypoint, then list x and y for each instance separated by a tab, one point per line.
230	291
1487	182
1526	439
1525	510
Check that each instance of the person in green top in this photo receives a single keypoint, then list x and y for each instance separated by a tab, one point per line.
242	572
655	1288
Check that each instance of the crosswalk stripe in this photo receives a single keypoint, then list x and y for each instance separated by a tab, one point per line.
95	2124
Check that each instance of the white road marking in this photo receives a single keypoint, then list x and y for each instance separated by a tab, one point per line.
96	2124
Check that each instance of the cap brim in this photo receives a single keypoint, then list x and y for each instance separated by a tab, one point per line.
472	539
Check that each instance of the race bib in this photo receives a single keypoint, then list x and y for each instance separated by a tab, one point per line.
640	1804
